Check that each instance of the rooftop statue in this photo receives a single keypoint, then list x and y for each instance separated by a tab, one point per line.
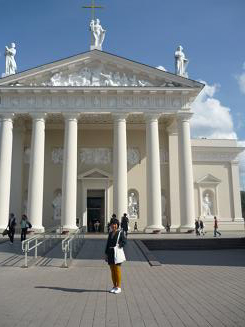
98	34
10	61
181	62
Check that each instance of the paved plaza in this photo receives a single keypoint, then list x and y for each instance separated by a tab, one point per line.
189	288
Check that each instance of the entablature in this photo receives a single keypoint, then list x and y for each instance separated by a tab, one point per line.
104	99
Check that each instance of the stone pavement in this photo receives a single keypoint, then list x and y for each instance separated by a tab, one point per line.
190	288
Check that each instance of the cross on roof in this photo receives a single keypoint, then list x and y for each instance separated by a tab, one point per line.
93	7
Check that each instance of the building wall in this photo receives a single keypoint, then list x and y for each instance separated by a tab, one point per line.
101	136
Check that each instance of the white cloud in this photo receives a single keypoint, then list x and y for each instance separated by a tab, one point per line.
241	80
211	119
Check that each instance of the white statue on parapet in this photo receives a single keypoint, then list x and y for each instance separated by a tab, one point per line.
206	205
11	66
181	62
98	34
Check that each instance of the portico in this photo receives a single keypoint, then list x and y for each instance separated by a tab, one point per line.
84	129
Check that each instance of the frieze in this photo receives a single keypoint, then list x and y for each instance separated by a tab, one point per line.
96	102
133	156
213	156
91	156
57	155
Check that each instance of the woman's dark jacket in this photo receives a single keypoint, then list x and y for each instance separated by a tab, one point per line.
111	242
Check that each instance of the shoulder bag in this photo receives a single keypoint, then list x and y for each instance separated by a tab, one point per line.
119	255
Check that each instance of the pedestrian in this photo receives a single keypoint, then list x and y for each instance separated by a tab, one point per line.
197	227
168	228
24	224
216	227
201	227
135	227
11	227
115	236
124	224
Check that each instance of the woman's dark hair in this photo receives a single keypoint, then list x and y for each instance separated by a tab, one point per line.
115	221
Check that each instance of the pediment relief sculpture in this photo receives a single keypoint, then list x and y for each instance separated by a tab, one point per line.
96	76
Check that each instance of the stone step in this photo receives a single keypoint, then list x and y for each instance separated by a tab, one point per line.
195	244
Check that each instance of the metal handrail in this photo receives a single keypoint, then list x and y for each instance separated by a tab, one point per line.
70	245
43	236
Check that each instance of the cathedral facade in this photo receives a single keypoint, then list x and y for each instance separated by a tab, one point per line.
96	134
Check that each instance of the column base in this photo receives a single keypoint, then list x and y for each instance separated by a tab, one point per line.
174	228
69	228
186	228
155	229
239	220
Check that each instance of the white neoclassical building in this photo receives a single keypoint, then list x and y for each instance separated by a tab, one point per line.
96	134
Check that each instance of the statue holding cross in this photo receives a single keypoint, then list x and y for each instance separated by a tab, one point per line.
97	32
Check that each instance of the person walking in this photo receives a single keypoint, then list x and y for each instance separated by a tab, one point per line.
114	236
216	227
11	226
124	224
24	224
201	224
135	227
197	227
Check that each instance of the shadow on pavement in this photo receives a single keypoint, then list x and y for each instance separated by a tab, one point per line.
71	290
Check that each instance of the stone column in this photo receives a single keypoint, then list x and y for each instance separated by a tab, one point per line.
69	179
187	208
36	172
120	184
154	210
17	168
174	199
6	143
236	197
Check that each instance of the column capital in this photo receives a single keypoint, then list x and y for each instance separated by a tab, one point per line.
7	116
117	116
152	116
71	115
38	116
184	116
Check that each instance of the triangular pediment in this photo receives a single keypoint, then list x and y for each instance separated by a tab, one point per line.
208	179
97	69
95	173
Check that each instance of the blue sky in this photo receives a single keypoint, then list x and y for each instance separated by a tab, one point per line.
211	32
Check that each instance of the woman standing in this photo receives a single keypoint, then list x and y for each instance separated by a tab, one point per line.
113	236
24	224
